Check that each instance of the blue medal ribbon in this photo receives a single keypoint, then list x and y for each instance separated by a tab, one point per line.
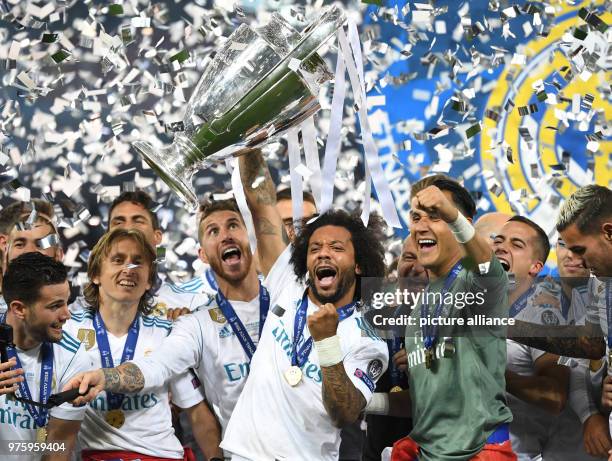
395	374
300	356
521	302
608	288
565	304
230	314
39	414
430	332
114	400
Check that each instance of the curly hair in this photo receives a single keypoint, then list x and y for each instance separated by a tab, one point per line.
367	242
91	292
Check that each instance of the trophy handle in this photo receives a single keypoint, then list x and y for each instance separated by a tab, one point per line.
171	165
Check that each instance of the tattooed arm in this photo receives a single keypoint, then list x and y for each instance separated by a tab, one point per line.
125	379
341	399
580	341
261	198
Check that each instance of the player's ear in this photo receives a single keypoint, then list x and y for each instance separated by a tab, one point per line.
19	309
607	231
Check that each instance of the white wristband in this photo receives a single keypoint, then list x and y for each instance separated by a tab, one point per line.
329	351
378	404
462	229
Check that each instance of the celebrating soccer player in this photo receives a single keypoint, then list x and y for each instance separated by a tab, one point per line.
117	327
43	356
456	383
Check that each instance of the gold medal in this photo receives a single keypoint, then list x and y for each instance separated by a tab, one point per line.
115	418
428	358
293	375
595	365
41	434
396	389
449	349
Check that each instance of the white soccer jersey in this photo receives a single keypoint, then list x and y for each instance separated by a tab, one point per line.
600	301
597	306
273	420
533	431
69	358
168	296
148	423
3	306
206	342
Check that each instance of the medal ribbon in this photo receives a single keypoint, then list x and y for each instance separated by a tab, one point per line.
430	332
114	400
608	288
565	305
521	302
39	414
230	314
299	356
395	373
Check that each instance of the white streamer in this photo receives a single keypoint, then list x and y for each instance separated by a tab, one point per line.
353	37
311	152
371	152
332	146
234	168
297	198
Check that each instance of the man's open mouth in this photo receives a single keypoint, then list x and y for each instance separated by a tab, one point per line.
231	255
426	244
505	264
326	275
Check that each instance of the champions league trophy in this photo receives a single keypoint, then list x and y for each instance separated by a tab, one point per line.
261	82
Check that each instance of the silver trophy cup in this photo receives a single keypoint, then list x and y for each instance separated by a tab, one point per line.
260	83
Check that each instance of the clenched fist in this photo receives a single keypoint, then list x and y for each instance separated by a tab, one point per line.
433	202
324	322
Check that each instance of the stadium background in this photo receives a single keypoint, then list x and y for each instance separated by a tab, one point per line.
449	84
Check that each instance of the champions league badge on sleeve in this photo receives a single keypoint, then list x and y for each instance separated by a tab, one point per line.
363	376
375	369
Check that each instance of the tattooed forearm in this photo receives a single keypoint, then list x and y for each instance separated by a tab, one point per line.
341	399
570	341
265	227
581	347
126	378
256	180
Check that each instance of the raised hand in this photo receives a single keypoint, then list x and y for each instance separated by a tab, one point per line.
433	202
9	378
324	322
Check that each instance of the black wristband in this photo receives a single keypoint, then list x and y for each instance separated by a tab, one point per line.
215	459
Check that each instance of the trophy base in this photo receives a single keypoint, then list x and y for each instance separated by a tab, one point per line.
158	160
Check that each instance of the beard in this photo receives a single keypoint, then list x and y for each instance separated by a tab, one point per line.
345	281
231	277
40	333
